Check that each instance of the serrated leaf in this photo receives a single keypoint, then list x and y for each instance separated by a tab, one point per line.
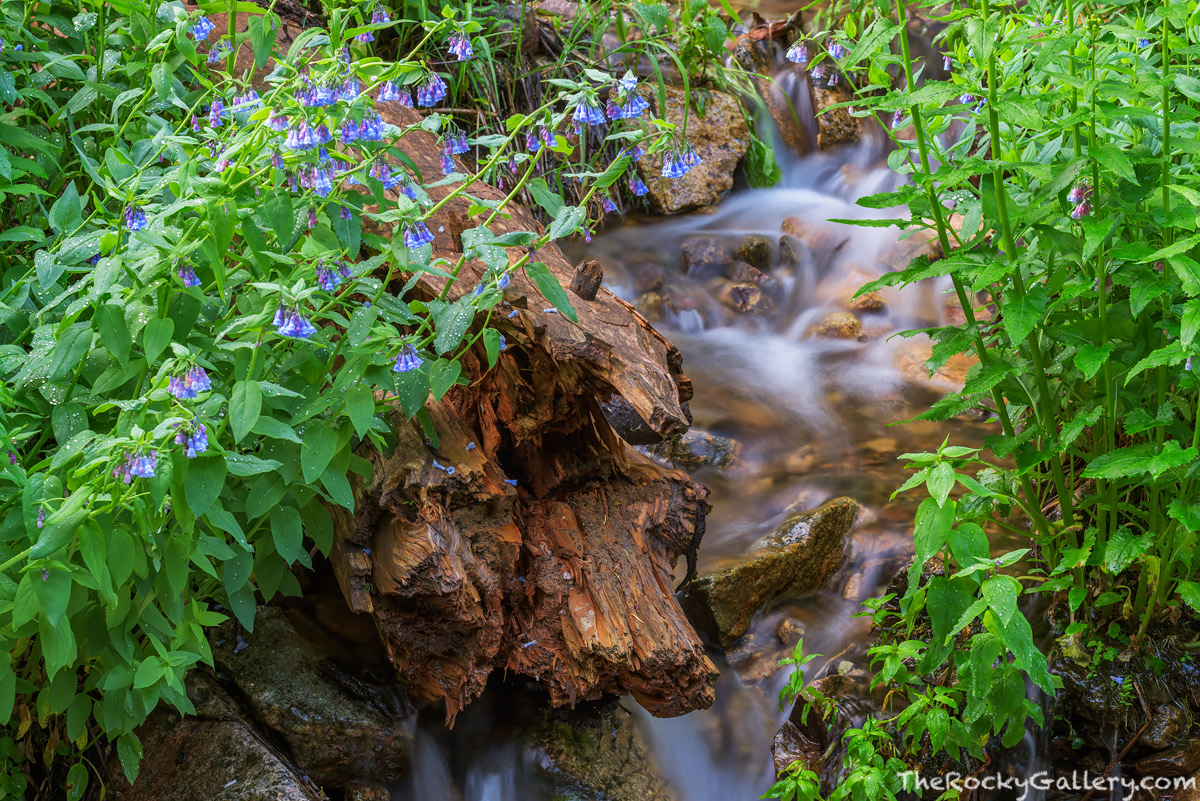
1091	358
1022	313
1123	548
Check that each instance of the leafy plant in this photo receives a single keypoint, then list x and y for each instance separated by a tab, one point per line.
196	326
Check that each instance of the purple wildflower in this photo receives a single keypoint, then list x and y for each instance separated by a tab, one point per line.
12	457
388	92
219	50
588	113
837	51
41	518
447	165
194	439
432	91
371	129
637	186
348	93
190	383
798	53
321	185
203	27
135	218
296	325
216	113
416	235
946	65
607	204
188	276
380	16
407	359
1081	211
277	122
312	217
460	46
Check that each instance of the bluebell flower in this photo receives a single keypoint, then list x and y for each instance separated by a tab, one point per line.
447	165
587	113
312	217
819	71
41	517
432	91
321	135
837	51
636	185
513	313
1143	42
834	77
628	83
141	465
349	91
195	124
94	260
532	143
966	99
460	46
280	313
135	218
219	51
18	48
296	325
371	129
246	102
1081	211
979	106
320	95
330	278
380	16
202	29
896	119
503	344
456	145
1079	193
12	457
549	137
388	92
345	213
216	113
405	98
505	280
189	383
321	183
277	122
188	276
365	36
407	359
349	132
607	204
407	189
417	234
634	153
946	64
674	165
798	53
194	439
512	165
277	159
633	108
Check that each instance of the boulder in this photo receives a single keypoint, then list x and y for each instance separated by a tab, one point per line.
745	297
755	250
698	448
597	756
796	559
791	745
338	730
1181	760
704	257
719	136
209	759
837	325
835	126
1168	722
749	55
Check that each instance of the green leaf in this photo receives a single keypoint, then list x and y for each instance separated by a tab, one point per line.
1022	313
129	750
113	332
1001	593
940	482
1123	548
550	201
54	593
451	324
8	688
70	349
1122	462
551	289
66	213
1189	591
1091	358
203	482
316	451
938	723
156	335
244	408
280	215
243	603
443	374
270	427
288	534
360	408
262	37
77	781
566	221
1189	86
1114	159
60	524
1171	354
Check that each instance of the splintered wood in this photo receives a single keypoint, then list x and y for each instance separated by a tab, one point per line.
566	577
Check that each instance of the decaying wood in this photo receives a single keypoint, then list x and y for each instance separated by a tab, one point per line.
566	577
586	280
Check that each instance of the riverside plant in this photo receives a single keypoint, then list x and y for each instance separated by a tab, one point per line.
1055	164
196	327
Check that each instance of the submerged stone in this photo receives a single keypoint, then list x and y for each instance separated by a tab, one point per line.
339	730
796	560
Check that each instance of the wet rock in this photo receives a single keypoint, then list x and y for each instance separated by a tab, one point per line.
599	756
652	306
705	257
837	325
835	126
745	297
1179	761
818	237
898	256
755	250
338	730
751	57
868	302
358	791
698	448
911	357
790	631
792	251
627	422
1168	722
201	759
791	745
719	136
797	559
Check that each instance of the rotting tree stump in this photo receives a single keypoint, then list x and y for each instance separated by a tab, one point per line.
566	577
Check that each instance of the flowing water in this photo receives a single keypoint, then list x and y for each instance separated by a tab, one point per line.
814	418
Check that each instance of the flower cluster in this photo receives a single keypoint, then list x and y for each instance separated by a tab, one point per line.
627	103
407	359
135	218
291	323
1080	195
219	50
432	91
193	438
141	465
460	46
417	234
798	53
190	383
678	162
202	29
331	277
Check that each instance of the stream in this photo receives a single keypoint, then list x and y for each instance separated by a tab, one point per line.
814	418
